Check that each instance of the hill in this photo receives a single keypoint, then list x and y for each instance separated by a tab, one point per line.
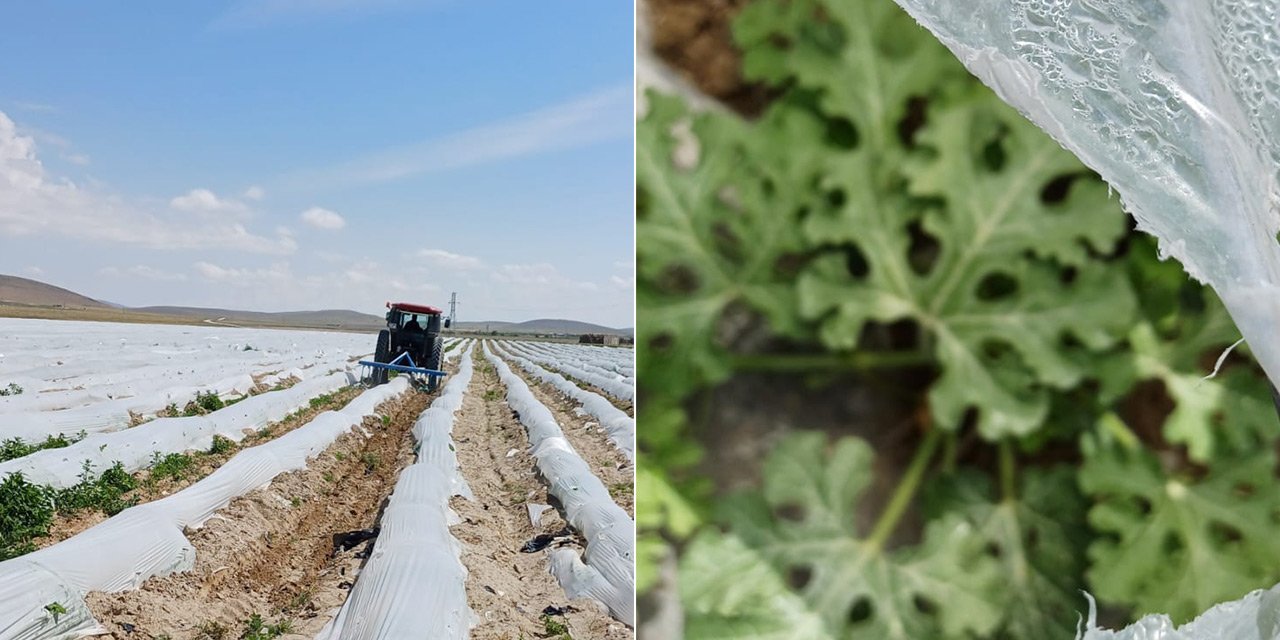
24	291
541	325
23	297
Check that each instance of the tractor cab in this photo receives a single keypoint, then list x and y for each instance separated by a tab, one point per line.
411	343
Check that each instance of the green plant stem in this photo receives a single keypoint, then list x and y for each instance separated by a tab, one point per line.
905	491
1008	486
856	361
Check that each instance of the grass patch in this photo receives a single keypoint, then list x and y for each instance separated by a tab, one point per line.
27	510
621	489
174	465
255	628
12	389
205	402
371	461
555	628
14	448
221	445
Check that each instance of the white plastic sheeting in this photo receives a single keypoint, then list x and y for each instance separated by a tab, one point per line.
96	377
606	570
414	585
1174	102
620	426
134	448
1253	617
608	384
147	540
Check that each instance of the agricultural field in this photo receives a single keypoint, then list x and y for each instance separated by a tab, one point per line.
191	482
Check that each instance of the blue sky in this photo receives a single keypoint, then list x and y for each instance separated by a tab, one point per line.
303	154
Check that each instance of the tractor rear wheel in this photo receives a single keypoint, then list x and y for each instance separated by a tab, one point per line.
381	354
435	361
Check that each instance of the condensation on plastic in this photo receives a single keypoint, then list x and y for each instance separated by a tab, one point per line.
1176	104
147	540
134	448
606	570
1253	617
612	386
414	585
620	426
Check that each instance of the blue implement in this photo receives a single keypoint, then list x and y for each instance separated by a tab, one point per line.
431	376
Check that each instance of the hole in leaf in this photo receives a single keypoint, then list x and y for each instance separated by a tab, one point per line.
798	577
997	286
661	343
924	605
1172	544
911	122
1033	537
836	198
736	320
789	265
1056	190
726	242
1243	490
1068	275
861	610
856	261
678	279
1144	505
923	250
992	549
1224	533
993	154
789	511
842	134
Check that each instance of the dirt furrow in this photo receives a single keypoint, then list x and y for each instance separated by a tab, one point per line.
588	439
270	553
510	590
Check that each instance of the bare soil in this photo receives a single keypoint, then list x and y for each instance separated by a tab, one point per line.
507	589
696	39
270	552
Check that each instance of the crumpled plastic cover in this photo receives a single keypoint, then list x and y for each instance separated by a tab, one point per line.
1176	103
606	570
620	426
147	540
610	385
414	585
1253	617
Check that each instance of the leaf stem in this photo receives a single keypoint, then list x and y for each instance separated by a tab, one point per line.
856	361
905	490
1008	486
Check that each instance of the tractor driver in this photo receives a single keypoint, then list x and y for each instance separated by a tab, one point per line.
413	325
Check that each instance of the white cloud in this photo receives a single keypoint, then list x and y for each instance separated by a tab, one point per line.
446	260
33	271
603	115
144	272
275	274
323	219
78	159
206	201
34	202
254	193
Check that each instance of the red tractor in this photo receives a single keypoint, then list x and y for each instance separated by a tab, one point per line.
410	344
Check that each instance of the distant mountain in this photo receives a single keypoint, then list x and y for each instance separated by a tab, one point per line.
24	291
542	325
333	318
37	297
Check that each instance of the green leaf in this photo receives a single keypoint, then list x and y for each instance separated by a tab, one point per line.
1039	537
712	236
730	592
1010	293
1176	544
664	512
802	525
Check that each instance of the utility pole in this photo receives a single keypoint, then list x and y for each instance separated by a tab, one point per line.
453	308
